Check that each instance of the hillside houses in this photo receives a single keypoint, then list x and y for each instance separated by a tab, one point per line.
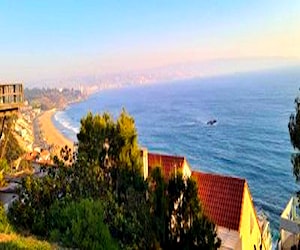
23	128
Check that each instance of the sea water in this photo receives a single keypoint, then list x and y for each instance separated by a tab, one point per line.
249	140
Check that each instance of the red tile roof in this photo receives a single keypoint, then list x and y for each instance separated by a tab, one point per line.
31	156
167	163
45	153
221	198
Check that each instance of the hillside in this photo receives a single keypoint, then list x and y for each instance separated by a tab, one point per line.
47	98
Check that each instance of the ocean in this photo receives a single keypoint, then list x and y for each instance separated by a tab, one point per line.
249	140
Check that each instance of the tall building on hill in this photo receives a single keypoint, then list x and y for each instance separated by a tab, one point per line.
226	201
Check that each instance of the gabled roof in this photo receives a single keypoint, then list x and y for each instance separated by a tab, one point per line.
168	163
221	198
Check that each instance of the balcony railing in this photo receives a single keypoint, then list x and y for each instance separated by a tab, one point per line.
11	97
290	225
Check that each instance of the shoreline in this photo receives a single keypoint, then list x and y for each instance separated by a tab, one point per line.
51	134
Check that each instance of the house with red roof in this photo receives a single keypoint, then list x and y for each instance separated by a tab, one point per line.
31	156
169	164
228	203
225	200
42	157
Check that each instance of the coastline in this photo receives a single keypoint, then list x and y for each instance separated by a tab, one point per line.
51	134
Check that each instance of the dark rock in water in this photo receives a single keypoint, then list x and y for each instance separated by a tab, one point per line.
211	122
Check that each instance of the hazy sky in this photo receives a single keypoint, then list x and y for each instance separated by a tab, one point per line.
42	39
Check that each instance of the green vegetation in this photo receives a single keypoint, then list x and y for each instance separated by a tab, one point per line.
176	214
9	146
25	165
14	241
10	240
294	130
80	224
4	224
102	201
10	150
13	149
4	167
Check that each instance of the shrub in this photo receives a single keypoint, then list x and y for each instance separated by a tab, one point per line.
30	211
4	167
14	241
25	165
4	225
80	224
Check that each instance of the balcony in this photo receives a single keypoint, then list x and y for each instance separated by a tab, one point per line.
11	98
290	226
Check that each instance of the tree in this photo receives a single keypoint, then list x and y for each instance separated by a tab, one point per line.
109	148
177	218
36	196
294	131
188	227
9	146
158	205
127	143
109	164
80	225
94	131
140	214
100	136
129	219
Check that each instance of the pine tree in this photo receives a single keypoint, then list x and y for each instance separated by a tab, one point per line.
188	227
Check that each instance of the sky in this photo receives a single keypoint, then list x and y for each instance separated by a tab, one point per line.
52	39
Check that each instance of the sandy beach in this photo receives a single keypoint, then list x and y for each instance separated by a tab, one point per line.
51	134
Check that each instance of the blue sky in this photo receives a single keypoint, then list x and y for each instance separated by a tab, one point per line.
42	39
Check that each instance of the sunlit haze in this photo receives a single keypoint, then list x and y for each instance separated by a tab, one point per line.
53	39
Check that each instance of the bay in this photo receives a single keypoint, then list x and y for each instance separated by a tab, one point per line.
250	139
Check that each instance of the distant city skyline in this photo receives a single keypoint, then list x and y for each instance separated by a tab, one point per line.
61	39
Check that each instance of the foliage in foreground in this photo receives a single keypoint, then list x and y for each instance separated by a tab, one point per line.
4	167
31	211
5	227
80	225
10	240
177	216
9	146
14	242
107	176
